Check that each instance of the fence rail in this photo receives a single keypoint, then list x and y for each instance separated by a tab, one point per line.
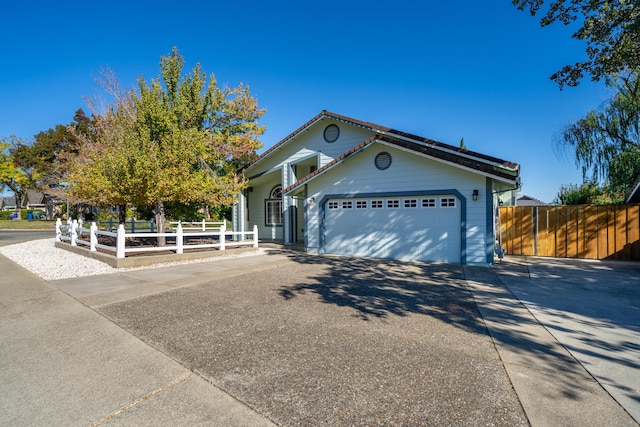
571	231
133	225
76	234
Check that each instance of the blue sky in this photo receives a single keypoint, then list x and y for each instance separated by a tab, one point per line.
442	70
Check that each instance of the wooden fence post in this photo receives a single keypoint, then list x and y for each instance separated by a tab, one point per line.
255	236
93	237
120	242
179	237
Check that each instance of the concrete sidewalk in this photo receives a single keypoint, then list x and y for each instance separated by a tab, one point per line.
63	364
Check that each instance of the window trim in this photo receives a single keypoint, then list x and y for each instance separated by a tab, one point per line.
447	200
429	203
278	208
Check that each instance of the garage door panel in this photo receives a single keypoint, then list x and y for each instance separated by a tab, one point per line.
427	234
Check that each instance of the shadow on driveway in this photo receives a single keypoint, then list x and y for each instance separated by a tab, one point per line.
318	340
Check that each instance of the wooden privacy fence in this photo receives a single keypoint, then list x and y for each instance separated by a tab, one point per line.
571	231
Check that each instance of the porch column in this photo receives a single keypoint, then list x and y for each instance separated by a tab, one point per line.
287	177
238	213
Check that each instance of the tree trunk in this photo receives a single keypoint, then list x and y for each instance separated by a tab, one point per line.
122	214
19	196
159	208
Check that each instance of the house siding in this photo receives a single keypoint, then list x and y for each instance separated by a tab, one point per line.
311	143
256	204
407	173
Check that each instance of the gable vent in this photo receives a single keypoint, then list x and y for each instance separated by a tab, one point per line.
331	133
383	160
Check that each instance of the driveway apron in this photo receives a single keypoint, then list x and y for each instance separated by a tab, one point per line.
334	340
592	308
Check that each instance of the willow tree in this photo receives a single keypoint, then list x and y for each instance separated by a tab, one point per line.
178	138
606	141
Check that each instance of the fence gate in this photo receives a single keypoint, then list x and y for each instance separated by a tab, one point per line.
571	231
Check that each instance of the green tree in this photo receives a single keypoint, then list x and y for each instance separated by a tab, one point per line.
17	178
611	29
177	139
50	149
589	193
606	142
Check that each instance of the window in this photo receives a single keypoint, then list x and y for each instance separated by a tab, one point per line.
428	203
361	204
333	205
377	204
447	202
276	192
393	203
273	207
410	203
347	204
273	212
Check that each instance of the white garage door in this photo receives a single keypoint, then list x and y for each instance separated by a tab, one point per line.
424	228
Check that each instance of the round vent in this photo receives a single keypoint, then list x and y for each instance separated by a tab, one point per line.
383	160
331	133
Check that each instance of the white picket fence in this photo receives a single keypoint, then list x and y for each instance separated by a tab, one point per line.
76	234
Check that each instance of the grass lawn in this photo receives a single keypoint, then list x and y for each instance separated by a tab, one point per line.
24	224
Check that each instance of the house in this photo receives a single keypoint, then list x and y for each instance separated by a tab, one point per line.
34	200
634	194
7	203
339	185
525	200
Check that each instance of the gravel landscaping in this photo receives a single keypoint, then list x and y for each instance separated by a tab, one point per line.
43	258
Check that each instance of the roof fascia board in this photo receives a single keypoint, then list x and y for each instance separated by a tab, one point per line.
636	189
323	115
328	168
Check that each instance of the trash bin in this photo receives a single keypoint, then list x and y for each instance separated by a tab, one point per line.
30	216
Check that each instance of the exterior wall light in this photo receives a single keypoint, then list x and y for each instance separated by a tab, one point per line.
475	195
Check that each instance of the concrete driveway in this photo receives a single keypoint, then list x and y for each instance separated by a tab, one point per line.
317	340
307	340
593	309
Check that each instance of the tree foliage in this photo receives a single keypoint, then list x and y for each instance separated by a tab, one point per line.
611	29
606	142
588	194
19	179
50	149
179	139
